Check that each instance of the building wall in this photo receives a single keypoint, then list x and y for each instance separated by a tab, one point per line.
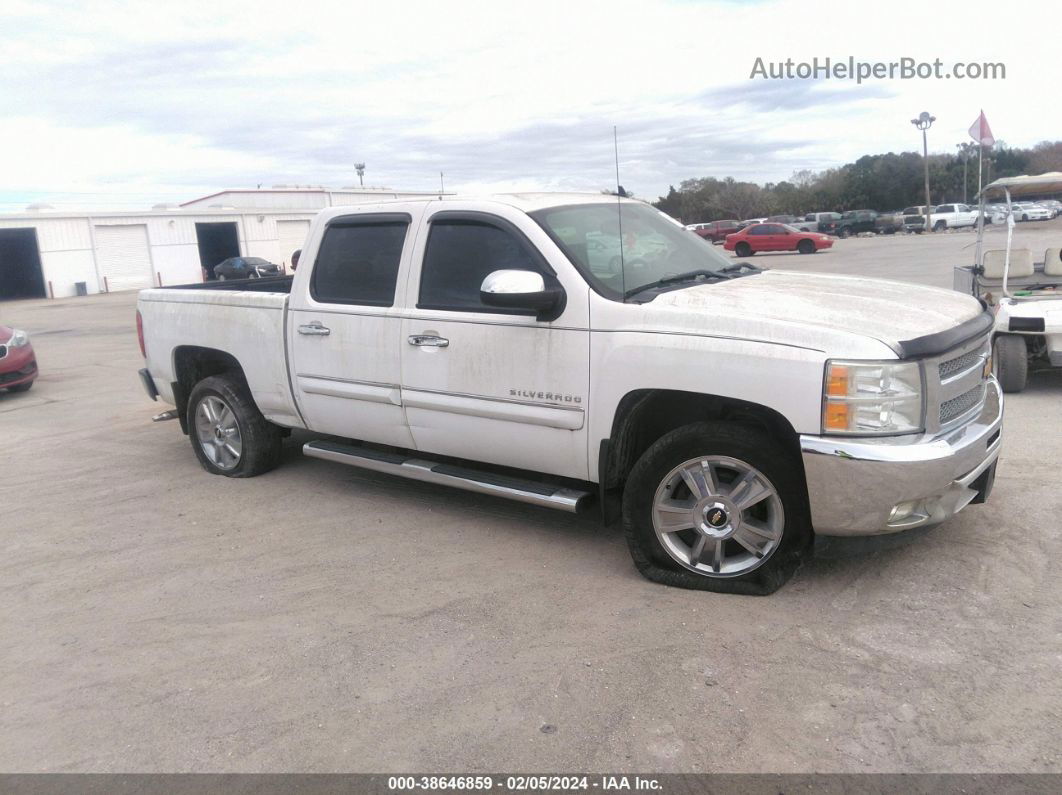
68	253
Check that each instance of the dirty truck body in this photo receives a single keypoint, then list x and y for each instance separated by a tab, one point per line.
584	352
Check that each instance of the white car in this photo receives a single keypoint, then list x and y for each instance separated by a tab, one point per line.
729	415
1031	211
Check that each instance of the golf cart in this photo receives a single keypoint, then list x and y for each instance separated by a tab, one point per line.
1023	288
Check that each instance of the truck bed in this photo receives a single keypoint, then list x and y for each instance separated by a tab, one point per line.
246	319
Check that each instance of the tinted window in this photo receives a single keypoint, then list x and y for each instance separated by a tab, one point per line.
945	208
358	263
460	255
759	230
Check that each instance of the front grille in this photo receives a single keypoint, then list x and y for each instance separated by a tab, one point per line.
3	351
960	364
957	406
15	375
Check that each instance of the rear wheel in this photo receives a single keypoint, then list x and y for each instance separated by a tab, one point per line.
940	226
229	435
743	249
843	233
718	507
1010	361
806	247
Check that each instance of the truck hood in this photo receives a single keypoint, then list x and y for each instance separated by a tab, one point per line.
819	311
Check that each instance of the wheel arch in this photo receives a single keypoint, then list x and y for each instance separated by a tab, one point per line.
644	415
193	363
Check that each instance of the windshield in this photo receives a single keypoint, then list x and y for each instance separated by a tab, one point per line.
622	246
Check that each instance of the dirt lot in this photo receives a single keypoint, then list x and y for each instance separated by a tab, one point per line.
154	618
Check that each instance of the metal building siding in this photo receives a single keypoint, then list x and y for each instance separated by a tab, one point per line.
123	257
292	235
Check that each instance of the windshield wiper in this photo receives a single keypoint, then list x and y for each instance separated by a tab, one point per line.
679	277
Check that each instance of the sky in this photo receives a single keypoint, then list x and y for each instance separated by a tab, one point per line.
112	104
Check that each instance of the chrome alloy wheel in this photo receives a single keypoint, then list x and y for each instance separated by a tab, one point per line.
718	516
218	433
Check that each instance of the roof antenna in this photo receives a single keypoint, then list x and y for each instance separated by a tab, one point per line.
620	193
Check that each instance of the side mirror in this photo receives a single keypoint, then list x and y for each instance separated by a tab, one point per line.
514	289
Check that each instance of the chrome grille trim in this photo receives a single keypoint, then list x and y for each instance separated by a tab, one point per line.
960	364
958	406
951	377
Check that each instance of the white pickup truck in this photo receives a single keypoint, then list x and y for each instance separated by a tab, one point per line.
572	350
952	216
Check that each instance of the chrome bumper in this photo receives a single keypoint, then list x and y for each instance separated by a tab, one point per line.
854	485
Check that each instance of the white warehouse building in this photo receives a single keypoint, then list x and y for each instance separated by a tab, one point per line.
46	253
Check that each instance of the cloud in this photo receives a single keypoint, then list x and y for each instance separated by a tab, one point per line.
202	94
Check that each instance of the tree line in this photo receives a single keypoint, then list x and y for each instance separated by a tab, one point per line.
879	182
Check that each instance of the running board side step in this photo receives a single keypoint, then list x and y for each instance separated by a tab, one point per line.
533	492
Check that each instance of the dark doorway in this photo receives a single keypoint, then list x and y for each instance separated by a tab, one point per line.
217	242
20	265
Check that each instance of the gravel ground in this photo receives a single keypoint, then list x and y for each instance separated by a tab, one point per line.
318	618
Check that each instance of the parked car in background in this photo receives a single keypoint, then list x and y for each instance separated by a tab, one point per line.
750	222
1031	211
914	218
952	216
18	362
775	237
1053	205
715	231
811	221
782	219
851	222
888	223
245	268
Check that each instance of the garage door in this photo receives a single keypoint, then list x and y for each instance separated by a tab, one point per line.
122	256
292	235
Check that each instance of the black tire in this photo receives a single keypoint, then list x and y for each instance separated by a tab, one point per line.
1010	356
940	226
743	249
261	440
747	444
843	233
806	247
21	387
1024	217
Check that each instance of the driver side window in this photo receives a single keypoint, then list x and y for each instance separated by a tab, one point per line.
459	255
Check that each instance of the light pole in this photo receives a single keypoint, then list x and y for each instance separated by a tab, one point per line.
360	168
923	123
965	150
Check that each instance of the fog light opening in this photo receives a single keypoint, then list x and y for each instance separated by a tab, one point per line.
906	514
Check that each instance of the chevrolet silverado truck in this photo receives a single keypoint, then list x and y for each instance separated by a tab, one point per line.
585	352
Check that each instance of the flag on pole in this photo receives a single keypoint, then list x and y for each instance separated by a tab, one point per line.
981	132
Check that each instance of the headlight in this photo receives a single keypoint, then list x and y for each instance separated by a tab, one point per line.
18	339
870	398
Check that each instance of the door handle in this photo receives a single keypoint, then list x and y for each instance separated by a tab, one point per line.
428	341
315	329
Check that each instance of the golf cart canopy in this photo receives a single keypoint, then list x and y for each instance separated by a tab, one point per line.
1026	186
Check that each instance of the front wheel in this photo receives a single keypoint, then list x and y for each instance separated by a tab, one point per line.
743	249
843	234
718	507
806	247
940	226
1010	361
229	435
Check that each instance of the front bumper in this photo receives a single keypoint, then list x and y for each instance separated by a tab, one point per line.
17	366
854	484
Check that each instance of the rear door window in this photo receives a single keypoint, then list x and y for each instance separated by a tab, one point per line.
358	261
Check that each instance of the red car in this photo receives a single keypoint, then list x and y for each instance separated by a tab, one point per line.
775	237
715	231
18	365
